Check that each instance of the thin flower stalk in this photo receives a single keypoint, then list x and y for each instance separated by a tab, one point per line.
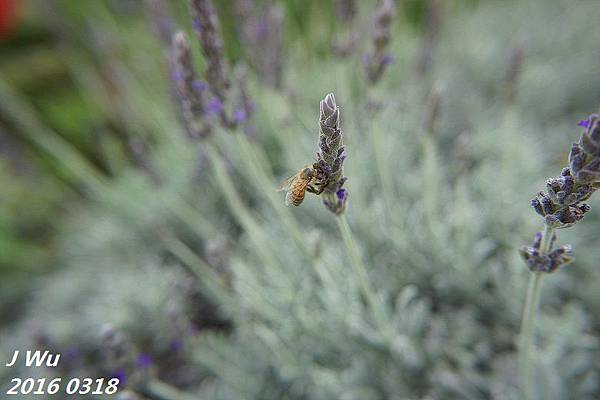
244	107
360	273
379	59
510	82
206	25
562	206
432	173
434	17
239	209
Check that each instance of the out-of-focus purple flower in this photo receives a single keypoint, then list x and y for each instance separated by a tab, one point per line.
176	345
387	60
584	123
261	29
144	360
177	75
240	115
197	25
199	85
206	24
215	106
121	375
378	59
72	353
191	101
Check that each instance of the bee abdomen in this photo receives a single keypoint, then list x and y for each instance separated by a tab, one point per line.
295	197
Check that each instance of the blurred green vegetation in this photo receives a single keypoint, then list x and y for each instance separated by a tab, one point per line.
108	217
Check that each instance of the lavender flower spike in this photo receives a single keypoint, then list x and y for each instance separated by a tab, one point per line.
206	25
562	204
331	155
190	99
379	60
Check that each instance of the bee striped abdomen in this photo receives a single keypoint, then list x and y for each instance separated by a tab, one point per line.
295	195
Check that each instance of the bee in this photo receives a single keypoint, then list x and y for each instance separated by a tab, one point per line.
297	184
312	178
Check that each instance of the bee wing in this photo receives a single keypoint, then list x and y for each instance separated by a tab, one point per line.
285	185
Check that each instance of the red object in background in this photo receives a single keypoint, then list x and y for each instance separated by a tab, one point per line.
8	15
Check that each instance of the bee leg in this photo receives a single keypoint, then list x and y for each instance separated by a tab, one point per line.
316	191
311	189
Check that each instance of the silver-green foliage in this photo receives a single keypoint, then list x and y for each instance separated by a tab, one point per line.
437	217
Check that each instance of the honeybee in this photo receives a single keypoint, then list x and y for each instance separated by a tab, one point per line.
312	178
297	184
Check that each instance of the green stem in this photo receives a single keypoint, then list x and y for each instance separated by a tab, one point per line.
254	230
432	182
213	284
532	300
360	272
163	391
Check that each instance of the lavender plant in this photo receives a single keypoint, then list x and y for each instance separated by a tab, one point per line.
307	324
561	206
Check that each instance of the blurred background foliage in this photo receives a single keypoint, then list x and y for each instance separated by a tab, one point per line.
175	266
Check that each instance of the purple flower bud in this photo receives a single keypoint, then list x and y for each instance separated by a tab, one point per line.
199	85
215	106
387	60
584	123
341	194
72	353
197	25
261	30
240	115
121	376
143	360
177	75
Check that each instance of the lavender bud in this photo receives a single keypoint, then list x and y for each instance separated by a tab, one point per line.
537	242
576	159
190	100
143	361
589	146
585	123
537	206
590	173
547	205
